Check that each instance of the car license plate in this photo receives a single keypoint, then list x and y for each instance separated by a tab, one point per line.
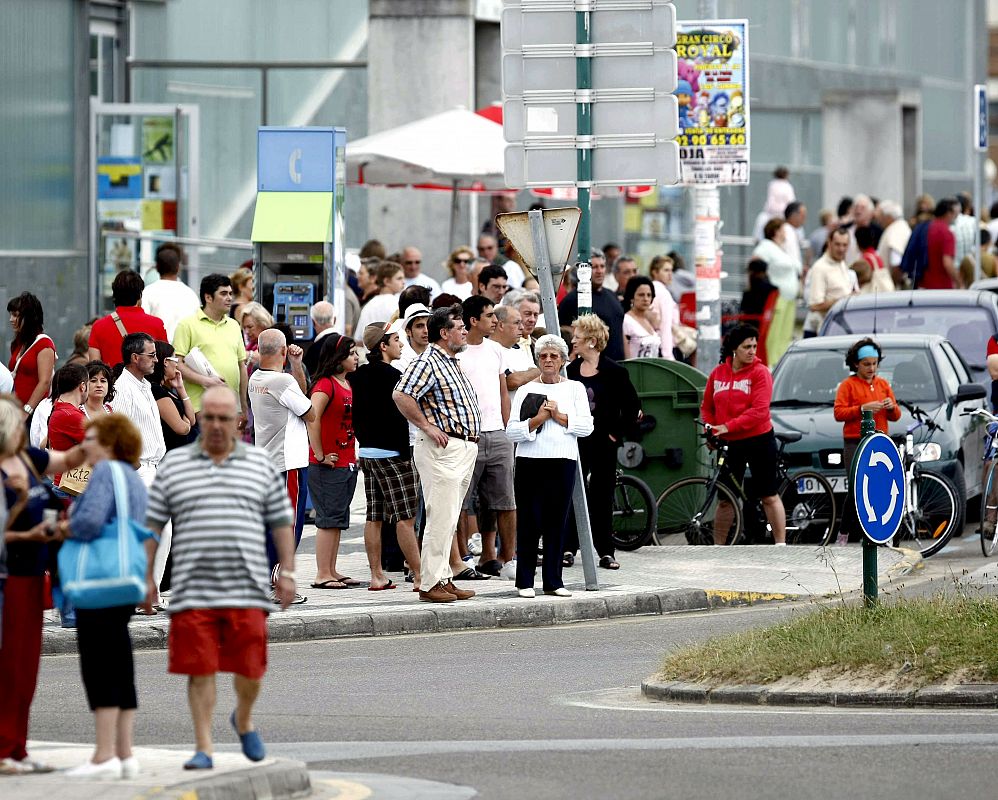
811	486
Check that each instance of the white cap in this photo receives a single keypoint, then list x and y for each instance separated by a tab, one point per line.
413	312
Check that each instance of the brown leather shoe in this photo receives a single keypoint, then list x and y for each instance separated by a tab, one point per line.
438	594
460	594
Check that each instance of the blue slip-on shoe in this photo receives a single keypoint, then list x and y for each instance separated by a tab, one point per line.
201	760
250	741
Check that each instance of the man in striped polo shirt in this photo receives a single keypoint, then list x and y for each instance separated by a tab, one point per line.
221	495
436	396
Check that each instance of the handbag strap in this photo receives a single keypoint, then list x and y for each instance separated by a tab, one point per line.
119	324
121	509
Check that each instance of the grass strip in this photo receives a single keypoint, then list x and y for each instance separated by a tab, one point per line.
927	640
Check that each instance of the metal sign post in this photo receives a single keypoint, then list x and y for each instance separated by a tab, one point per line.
980	147
585	76
537	250
878	490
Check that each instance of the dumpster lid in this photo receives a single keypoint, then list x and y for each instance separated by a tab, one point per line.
293	217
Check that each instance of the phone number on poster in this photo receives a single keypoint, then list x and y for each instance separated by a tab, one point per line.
706	139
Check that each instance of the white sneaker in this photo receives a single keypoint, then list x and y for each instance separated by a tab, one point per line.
508	570
475	544
108	770
561	592
130	768
526	593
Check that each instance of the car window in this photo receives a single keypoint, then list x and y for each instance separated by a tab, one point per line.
912	376
962	376
809	377
967	328
948	375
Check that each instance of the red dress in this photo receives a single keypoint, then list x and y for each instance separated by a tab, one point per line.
26	376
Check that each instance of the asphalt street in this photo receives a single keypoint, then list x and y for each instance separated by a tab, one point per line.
550	713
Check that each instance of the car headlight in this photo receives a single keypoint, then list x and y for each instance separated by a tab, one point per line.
928	451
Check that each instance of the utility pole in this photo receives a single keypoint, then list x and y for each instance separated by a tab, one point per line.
706	254
584	156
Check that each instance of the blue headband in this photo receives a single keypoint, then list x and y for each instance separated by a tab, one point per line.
867	351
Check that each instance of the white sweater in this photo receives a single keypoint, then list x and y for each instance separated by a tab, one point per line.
551	440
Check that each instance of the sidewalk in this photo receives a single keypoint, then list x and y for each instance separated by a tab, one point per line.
162	777
652	580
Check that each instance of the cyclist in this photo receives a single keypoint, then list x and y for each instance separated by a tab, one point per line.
736	407
864	390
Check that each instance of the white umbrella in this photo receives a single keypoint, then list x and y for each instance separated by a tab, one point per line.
455	149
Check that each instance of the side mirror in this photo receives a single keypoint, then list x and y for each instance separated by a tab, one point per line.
969	391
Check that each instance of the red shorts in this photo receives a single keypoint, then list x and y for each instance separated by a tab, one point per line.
204	641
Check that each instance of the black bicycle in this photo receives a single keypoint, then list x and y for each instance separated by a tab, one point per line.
690	506
634	513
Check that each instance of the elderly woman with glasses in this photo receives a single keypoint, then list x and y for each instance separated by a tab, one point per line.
459	283
547	418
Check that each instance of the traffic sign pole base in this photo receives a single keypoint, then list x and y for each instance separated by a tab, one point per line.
870	587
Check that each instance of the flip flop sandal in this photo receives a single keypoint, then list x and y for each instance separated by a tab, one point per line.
568	560
608	563
331	584
388	585
349	582
471	574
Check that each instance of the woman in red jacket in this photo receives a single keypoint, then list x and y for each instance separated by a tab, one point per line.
736	407
864	390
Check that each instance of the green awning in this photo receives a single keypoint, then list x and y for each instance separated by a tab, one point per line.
293	217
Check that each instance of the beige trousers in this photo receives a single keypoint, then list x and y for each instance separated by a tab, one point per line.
444	474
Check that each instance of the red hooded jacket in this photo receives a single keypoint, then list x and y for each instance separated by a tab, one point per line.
739	400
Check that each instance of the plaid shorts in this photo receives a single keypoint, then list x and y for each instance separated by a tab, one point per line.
392	488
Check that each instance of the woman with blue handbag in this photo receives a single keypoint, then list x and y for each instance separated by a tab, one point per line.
106	525
30	532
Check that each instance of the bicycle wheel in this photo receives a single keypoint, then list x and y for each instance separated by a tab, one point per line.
633	513
690	506
810	507
989	511
929	527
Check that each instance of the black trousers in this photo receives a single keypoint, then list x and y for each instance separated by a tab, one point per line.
598	455
106	657
849	524
543	489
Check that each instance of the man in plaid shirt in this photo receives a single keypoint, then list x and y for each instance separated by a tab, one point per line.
436	396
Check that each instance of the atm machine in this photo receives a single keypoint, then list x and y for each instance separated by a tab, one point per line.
298	223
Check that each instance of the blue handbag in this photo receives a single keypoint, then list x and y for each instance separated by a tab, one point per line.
110	570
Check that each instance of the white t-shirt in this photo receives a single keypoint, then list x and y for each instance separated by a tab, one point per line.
6	379
171	301
485	366
518	359
278	403
461	290
380	308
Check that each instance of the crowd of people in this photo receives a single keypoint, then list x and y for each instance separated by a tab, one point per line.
451	404
865	245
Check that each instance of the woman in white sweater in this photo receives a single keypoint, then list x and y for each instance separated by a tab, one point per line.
547	418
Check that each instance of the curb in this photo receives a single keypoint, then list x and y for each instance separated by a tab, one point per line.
982	695
470	615
283	779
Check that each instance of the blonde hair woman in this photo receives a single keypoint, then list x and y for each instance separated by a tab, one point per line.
243	289
459	264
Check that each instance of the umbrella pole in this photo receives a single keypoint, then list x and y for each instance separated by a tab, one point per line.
453	215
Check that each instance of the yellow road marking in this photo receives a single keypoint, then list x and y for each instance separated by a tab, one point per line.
348	790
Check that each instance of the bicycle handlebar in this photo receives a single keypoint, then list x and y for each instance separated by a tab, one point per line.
920	415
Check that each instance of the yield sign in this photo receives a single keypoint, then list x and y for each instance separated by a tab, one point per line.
560	225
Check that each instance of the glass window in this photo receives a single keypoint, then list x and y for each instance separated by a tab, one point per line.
38	64
806	377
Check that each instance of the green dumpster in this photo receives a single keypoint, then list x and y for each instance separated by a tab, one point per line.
670	391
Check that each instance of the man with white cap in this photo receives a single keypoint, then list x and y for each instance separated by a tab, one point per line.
390	481
416	340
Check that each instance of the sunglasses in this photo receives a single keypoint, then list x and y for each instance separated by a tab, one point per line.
462	260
